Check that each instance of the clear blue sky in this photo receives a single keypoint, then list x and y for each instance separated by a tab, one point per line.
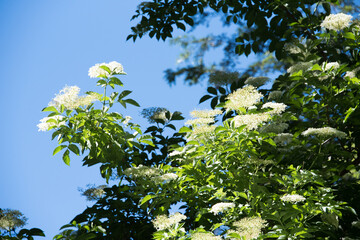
46	45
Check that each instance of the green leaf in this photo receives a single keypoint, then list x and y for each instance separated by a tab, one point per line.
50	109
74	149
66	157
58	149
147	142
204	98
132	102
184	130
349	112
146	198
349	35
316	67
124	94
212	90
37	232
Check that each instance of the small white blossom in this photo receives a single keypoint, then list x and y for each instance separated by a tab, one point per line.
243	98
274	95
330	65
257	81
278	108
11	219
324	132
204	129
249	227
336	21
93	193
141	171
205	113
221	207
293	198
69	98
48	122
274	128
167	177
115	68
162	222
303	66
252	121
176	153
204	236
291	48
127	120
199	121
283	138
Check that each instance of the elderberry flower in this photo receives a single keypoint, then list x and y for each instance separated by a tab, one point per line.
48	122
153	114
291	48
292	198
277	108
257	81
141	171
283	138
274	95
93	193
249	227
276	127
330	65
69	98
252	121
336	22
204	236
300	66
221	207
10	219
167	177
243	98
127	120
162	222
324	132
199	121
115	69
205	113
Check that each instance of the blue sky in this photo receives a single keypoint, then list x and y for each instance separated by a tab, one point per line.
46	45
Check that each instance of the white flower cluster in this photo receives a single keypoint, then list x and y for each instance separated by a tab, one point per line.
274	95
205	113
48	122
257	81
167	177
243	98
252	121
276	127
336	21
277	108
199	121
352	74
283	138
249	227
94	193
303	66
69	97
221	207
292	198
11	219
162	222
203	129
291	48
324	132
222	78
115	69
141	171
330	66
204	236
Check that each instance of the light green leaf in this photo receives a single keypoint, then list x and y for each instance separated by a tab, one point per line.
58	149
146	198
